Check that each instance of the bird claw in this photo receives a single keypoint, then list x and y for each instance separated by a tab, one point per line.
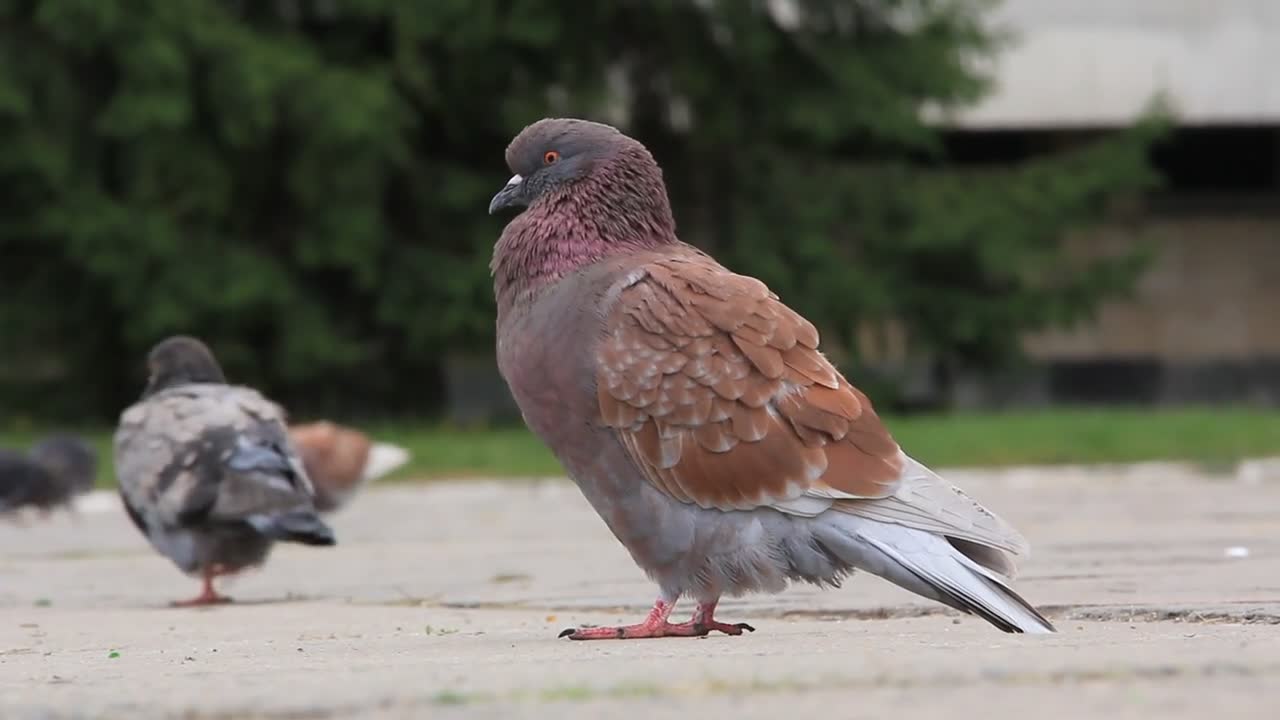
595	632
207	596
201	601
648	630
655	625
703	629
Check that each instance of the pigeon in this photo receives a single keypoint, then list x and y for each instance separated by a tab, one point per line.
340	460
53	473
697	414
207	471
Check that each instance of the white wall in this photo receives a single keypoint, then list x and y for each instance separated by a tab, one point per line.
1098	62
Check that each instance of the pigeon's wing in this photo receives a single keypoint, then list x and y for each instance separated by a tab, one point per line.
208	453
720	395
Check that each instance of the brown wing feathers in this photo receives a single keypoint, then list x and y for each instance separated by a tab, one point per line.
719	393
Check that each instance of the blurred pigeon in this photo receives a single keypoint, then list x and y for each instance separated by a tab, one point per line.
207	471
696	413
340	460
57	469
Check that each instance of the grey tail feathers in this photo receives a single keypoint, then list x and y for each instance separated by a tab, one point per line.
928	565
300	526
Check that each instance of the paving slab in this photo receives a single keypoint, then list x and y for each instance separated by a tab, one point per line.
444	600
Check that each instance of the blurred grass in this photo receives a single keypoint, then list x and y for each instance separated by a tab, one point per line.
980	439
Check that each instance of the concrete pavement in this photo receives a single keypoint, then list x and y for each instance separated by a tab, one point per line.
444	600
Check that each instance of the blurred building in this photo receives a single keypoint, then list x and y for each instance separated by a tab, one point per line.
1204	325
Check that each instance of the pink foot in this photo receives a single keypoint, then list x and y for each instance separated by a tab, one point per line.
656	626
699	629
704	618
202	599
207	596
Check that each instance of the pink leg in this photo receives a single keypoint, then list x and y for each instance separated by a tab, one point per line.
704	622
207	596
656	626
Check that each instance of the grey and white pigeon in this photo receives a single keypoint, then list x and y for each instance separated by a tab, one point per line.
53	473
207	471
696	413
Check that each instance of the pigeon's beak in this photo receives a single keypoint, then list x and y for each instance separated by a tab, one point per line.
509	196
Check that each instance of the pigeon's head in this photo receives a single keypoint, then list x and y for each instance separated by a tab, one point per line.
69	459
181	360
553	155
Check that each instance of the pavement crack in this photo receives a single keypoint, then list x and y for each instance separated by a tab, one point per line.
1247	614
1133	613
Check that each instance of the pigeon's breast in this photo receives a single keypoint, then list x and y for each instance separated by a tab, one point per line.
545	353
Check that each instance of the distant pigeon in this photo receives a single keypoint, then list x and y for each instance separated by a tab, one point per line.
340	460
207	471
696	413
57	469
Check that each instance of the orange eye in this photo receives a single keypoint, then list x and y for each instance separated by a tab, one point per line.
551	157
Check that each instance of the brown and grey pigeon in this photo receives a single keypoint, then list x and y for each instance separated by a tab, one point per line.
696	413
207	471
53	473
340	460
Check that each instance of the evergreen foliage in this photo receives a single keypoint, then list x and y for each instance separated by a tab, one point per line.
304	183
